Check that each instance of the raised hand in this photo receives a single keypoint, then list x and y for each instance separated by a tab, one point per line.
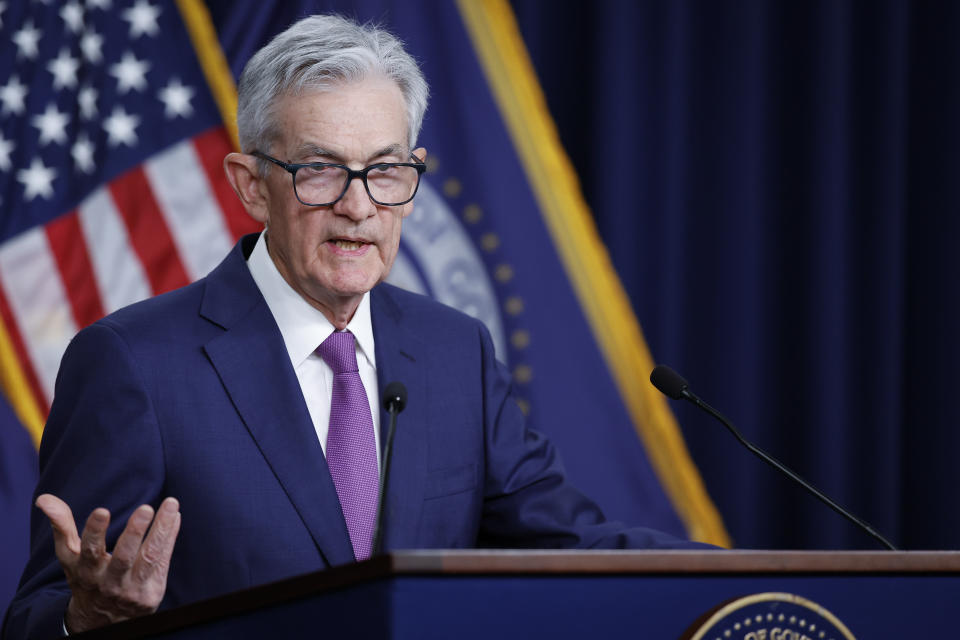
109	587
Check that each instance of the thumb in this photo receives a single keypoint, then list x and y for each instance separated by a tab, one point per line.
65	536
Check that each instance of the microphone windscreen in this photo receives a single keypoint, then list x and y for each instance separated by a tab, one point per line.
668	381
395	395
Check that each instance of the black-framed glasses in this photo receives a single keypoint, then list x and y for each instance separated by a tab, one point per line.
321	184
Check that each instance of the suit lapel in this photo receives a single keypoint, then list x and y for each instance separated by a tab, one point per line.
400	358
253	365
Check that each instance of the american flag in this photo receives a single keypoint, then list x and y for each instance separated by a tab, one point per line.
111	186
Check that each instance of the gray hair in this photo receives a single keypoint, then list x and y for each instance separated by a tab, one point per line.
317	53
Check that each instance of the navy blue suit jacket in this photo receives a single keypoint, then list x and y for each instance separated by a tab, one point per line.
192	394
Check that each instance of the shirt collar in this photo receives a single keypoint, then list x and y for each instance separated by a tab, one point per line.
303	326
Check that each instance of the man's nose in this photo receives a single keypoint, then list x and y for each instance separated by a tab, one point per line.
356	202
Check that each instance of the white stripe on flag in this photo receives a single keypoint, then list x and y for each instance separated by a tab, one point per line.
121	279
37	298
190	208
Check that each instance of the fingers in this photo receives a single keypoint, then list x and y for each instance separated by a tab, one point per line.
65	538
110	587
153	561
93	540
128	544
139	559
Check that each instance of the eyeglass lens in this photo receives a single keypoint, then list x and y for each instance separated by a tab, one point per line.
387	184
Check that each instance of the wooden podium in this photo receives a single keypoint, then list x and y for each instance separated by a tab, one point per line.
571	594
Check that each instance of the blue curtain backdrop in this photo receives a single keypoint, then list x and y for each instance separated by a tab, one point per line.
778	184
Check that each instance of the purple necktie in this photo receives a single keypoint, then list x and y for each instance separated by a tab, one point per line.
351	446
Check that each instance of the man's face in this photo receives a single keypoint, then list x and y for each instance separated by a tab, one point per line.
333	255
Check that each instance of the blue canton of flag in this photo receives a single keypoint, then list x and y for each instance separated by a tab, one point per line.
89	91
110	177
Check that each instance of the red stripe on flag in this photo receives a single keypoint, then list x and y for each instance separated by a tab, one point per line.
76	270
20	349
211	147
148	231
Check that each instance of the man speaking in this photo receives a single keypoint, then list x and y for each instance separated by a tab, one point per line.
227	434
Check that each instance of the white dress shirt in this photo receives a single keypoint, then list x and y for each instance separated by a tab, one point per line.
304	328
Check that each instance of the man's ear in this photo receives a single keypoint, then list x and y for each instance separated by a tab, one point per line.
243	172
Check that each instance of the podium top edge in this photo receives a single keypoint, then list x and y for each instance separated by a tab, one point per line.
680	562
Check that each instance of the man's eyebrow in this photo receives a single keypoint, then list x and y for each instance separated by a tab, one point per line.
390	150
314	151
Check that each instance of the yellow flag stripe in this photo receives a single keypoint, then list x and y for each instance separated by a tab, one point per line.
212	61
15	387
506	64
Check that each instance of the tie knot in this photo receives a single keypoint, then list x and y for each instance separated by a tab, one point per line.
340	352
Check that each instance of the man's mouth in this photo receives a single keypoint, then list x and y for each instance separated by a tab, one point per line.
349	245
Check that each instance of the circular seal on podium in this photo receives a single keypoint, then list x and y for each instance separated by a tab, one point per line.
770	616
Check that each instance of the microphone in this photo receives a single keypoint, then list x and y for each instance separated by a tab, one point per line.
394	400
395	397
671	384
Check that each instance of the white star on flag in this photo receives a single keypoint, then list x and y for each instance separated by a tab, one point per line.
176	97
98	4
6	146
90	44
52	125
64	69
87	99
142	18
121	127
37	180
72	14
130	73
82	152
12	96
26	40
